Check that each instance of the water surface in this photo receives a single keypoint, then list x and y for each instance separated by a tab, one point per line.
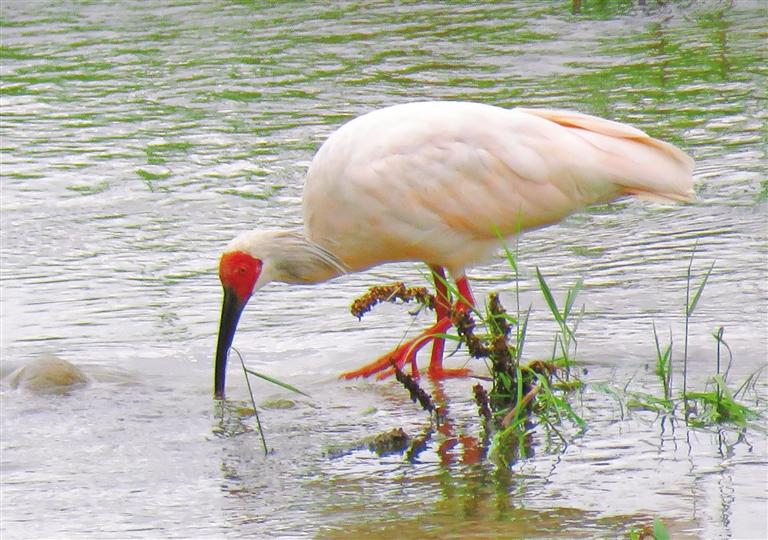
139	137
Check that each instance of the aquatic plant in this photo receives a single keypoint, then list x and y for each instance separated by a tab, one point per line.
690	307
716	404
518	392
523	397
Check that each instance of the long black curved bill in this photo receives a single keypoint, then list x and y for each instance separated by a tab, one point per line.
230	315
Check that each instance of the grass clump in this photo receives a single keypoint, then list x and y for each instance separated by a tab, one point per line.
520	395
716	405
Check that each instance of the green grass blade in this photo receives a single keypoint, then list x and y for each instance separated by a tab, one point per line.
521	331
570	297
609	390
695	300
548	297
509	255
275	381
663	363
253	402
749	382
660	531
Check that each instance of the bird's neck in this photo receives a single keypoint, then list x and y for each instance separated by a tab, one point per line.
296	259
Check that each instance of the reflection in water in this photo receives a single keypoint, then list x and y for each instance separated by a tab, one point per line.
364	494
138	137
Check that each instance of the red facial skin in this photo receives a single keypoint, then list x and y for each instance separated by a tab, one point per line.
239	271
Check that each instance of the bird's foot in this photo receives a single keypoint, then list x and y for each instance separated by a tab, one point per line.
436	374
404	354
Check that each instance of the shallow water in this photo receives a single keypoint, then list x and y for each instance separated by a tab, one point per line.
139	137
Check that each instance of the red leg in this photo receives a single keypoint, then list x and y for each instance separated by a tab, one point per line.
442	310
443	297
464	302
402	355
406	353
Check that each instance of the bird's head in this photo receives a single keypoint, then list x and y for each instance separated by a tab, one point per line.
254	259
239	271
244	268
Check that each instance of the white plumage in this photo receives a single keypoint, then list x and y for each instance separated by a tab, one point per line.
438	182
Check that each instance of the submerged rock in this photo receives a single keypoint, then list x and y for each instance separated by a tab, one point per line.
394	441
47	374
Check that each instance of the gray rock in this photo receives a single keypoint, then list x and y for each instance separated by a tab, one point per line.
48	374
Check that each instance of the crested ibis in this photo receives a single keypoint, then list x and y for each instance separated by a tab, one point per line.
438	182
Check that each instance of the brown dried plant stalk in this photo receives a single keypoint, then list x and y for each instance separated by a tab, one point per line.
391	293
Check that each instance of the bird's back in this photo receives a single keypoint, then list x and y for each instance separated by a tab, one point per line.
438	181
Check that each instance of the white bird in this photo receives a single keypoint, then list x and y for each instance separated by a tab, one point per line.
438	182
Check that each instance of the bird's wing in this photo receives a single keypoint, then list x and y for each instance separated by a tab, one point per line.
673	185
429	181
